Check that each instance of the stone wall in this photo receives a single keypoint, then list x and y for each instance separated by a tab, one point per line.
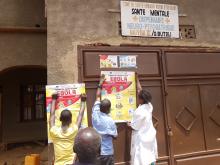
79	22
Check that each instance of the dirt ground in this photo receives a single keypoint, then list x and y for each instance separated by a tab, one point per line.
15	154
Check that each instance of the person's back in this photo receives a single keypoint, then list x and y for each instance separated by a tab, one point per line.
63	144
63	136
105	126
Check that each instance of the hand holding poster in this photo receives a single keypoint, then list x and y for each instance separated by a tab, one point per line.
120	89
68	98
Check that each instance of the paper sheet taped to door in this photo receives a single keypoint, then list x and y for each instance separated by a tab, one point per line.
120	89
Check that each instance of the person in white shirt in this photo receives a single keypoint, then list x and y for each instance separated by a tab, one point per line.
143	142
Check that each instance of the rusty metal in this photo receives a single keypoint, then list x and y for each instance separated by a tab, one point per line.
173	83
214	117
180	113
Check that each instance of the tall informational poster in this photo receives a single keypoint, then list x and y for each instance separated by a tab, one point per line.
68	98
120	89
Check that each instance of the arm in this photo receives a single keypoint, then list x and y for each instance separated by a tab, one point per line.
52	111
129	125
99	90
81	111
139	88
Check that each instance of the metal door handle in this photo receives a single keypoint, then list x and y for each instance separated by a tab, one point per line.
170	132
218	139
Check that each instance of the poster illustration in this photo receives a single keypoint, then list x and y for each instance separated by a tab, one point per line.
120	88
108	61
68	98
127	61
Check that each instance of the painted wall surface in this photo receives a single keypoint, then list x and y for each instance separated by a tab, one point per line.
24	13
18	49
71	23
22	48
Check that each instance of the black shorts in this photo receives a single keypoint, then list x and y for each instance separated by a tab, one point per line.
105	160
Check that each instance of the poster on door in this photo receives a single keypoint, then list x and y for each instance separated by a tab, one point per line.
127	61
120	88
108	61
69	99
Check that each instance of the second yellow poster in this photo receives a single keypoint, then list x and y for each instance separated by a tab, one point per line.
120	88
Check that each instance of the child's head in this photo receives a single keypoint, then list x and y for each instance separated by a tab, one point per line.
105	106
144	97
66	117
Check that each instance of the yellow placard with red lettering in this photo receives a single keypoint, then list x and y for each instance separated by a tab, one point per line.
120	88
68	98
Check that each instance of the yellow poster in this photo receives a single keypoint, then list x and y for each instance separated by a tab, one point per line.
68	98
120	88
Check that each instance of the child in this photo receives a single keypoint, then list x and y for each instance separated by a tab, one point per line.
63	136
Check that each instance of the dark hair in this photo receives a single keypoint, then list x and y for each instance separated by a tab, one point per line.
66	117
145	96
105	106
87	145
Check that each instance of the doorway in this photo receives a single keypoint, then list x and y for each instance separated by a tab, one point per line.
185	85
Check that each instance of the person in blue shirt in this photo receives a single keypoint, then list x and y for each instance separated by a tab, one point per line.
105	126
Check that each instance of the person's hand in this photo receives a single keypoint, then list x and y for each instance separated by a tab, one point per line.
54	96
129	124
102	79
83	97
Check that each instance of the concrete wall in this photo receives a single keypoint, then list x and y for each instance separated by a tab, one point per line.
24	13
21	44
75	22
22	48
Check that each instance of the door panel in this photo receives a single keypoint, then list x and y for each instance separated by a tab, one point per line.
163	163
210	97
148	63
201	160
183	63
188	135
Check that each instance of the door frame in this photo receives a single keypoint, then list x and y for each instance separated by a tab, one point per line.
1	113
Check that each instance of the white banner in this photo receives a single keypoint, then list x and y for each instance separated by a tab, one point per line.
149	19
